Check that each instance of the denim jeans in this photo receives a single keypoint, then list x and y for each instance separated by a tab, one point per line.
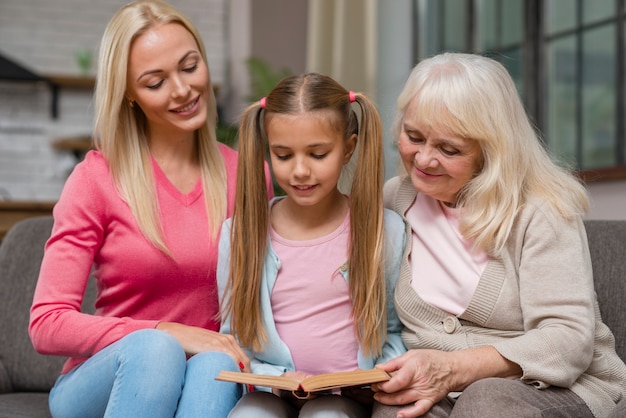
146	374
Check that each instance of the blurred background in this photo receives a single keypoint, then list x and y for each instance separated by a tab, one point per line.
568	58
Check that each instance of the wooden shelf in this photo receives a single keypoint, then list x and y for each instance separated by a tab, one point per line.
57	82
13	211
78	145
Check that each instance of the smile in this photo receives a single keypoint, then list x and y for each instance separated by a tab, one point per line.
425	174
187	107
302	187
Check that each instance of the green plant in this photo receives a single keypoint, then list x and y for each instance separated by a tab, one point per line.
227	134
263	78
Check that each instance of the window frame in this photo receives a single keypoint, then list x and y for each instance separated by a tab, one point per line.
534	47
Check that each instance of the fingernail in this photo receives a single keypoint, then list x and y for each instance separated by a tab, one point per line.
241	366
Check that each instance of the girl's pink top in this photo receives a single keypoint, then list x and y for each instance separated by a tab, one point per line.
311	302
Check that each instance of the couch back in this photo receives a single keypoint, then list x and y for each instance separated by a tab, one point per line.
607	245
22	369
21	251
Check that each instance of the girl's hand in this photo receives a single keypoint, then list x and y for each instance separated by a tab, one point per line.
196	340
420	377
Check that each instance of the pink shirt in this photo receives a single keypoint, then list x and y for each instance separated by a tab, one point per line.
138	286
311	302
445	269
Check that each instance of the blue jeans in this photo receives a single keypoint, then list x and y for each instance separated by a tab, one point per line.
146	374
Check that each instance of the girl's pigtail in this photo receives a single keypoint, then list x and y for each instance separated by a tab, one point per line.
367	279
250	225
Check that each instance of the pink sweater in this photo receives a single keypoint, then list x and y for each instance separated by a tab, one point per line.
138	286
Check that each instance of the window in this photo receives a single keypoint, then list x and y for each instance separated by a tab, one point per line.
567	58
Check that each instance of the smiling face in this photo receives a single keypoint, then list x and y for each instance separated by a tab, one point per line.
440	165
169	80
307	156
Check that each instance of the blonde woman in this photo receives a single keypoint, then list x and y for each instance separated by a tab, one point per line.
497	299
144	210
309	279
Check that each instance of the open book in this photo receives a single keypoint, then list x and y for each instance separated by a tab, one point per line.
320	382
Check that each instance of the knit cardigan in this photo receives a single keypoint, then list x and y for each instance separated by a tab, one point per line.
535	305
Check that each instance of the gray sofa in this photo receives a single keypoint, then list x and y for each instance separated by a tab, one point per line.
26	377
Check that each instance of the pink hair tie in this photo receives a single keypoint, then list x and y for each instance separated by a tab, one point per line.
262	102
352	96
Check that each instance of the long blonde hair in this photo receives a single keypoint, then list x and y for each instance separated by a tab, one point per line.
250	223
120	129
474	97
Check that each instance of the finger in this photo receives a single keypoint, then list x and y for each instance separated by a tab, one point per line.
390	366
228	345
395	398
418	409
240	358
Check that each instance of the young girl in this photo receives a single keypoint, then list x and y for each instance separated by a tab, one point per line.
307	282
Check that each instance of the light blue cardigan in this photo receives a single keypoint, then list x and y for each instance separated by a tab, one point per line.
276	359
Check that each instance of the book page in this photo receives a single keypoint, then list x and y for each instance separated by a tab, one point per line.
344	379
311	384
278	382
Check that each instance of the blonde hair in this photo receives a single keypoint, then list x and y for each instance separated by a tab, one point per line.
250	224
474	97
120	129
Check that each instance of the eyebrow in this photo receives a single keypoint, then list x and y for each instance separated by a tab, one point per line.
316	145
447	141
180	61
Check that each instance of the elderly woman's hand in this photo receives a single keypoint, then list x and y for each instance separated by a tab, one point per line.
424	377
419	377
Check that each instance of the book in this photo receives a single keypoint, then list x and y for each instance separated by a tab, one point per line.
317	383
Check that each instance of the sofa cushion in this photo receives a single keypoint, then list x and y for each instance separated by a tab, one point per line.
25	405
21	251
607	245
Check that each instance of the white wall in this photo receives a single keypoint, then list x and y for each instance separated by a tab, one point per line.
44	37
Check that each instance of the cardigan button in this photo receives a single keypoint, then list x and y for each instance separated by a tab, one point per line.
449	324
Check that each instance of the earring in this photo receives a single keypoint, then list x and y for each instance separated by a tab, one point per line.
131	104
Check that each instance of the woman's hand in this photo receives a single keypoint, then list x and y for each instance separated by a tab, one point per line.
420	377
424	377
196	340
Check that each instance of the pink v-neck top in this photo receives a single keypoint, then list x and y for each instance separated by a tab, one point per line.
138	285
446	269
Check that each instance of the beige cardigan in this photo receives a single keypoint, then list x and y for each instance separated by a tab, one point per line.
536	306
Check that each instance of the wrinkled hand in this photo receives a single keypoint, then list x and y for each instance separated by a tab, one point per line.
419	377
196	340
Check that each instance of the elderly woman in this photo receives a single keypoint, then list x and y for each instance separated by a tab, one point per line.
497	294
